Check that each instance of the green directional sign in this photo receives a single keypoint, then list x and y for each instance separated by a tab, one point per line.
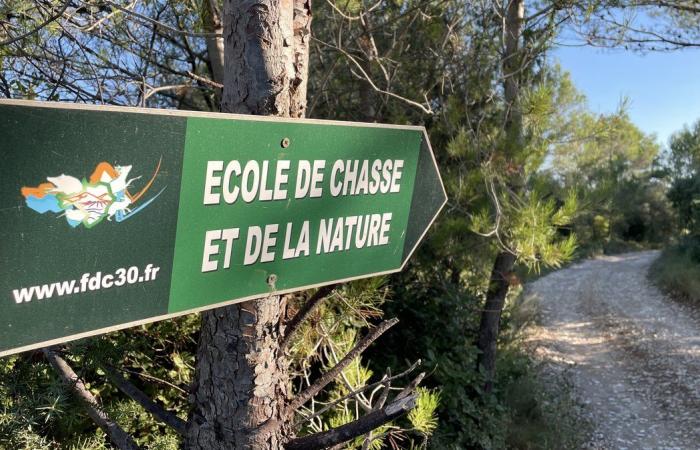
114	217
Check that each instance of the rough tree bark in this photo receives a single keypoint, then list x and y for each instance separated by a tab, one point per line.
241	381
503	265
266	57
302	39
491	316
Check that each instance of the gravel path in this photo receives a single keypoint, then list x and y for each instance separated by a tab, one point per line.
632	354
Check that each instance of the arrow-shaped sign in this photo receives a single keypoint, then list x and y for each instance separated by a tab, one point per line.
114	217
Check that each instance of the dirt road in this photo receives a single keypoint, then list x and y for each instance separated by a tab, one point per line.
632	354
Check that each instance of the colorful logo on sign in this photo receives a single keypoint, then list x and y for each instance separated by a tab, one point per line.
104	195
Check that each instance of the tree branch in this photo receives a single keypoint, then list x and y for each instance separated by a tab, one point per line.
677	6
160	25
53	17
116	434
408	390
310	305
329	376
384	381
156	379
205	80
144	400
363	425
425	108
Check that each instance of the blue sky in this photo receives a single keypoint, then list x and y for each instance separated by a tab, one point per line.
663	88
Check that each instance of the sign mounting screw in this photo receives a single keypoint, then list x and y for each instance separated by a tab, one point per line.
285	143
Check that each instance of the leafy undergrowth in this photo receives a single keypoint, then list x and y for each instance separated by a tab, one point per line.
542	412
677	271
37	413
525	410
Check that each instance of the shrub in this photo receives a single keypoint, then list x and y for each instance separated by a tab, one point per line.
677	270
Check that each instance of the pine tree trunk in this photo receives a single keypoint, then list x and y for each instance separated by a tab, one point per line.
489	325
241	380
503	265
512	69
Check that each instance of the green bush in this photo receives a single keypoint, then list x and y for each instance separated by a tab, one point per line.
617	246
677	270
541	412
439	322
37	412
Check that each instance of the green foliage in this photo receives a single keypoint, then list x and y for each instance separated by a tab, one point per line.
683	157
678	268
677	271
333	330
37	412
683	163
439	322
534	403
535	234
335	324
521	413
496	200
613	168
600	227
422	417
685	197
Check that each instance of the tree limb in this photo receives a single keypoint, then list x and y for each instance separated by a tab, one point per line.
379	405
310	305
384	381
116	434
673	5
144	400
425	108
53	17
204	80
329	376
408	390
363	425
156	379
160	24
